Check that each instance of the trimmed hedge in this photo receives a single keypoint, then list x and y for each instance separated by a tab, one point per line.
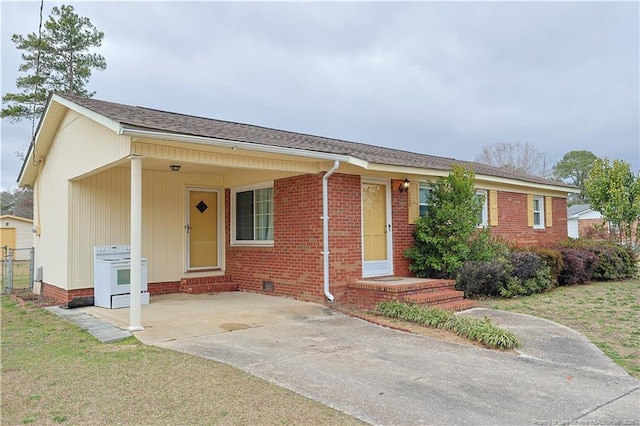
524	271
597	261
531	273
552	258
483	278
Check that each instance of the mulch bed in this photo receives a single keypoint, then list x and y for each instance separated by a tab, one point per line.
27	298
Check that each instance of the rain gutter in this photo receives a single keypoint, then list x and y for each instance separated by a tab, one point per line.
249	146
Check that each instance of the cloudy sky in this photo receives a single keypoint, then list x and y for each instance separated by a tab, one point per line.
442	78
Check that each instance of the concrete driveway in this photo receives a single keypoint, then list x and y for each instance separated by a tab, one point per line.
389	377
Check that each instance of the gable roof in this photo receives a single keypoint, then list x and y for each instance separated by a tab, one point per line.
12	217
577	208
141	118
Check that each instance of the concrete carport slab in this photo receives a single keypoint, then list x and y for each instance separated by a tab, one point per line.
385	376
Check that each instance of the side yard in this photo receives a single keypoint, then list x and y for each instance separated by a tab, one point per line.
608	313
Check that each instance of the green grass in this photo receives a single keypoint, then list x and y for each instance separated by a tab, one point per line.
55	373
21	274
607	313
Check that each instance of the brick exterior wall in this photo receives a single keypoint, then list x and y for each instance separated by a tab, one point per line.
163	287
512	221
294	263
402	229
345	236
63	296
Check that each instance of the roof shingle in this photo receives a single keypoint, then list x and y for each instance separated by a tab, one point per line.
171	122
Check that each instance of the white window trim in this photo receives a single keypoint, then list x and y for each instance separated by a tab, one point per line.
422	185
485	208
541	212
234	191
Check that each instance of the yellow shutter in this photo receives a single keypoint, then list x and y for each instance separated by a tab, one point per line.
548	212
493	208
414	202
530	210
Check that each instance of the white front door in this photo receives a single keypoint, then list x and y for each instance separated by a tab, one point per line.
377	248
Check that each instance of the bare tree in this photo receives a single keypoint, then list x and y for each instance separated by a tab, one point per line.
520	156
17	202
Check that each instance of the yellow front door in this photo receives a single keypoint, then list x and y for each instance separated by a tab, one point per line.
376	229
203	229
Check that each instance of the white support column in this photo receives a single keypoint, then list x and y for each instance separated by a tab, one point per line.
135	322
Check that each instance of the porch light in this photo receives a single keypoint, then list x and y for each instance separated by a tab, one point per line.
404	186
175	167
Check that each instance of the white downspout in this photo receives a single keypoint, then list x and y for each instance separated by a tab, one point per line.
325	227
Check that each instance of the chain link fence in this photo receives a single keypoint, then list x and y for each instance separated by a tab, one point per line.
17	269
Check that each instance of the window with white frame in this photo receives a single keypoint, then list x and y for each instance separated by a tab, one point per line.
538	212
424	195
252	214
483	217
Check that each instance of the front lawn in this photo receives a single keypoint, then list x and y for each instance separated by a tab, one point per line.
608	313
53	372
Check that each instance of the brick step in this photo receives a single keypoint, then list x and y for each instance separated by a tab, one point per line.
458	305
414	286
432	297
216	287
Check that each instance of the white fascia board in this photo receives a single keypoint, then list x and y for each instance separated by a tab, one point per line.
407	170
544	186
92	115
233	144
416	171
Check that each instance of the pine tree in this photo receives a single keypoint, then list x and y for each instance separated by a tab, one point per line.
59	60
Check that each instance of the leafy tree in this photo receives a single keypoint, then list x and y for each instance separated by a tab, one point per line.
574	169
58	60
614	191
17	203
441	236
519	156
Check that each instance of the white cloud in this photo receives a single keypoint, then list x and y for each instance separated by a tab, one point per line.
437	77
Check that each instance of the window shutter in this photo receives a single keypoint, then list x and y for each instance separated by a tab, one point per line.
548	211
414	202
493	208
530	210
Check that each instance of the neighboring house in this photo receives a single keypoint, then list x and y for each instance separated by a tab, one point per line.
16	232
583	221
212	201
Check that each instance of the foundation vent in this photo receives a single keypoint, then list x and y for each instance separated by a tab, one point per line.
267	285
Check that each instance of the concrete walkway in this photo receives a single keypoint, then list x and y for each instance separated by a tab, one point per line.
389	377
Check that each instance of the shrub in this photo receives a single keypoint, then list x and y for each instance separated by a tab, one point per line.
483	246
578	265
613	261
538	283
530	275
552	258
441	235
480	330
483	278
